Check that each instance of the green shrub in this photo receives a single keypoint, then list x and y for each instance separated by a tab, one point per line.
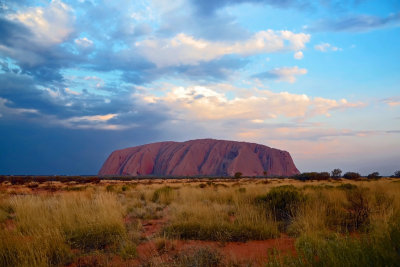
283	201
238	175
124	188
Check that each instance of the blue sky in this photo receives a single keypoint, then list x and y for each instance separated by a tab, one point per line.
81	78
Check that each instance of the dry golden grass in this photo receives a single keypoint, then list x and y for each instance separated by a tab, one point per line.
38	228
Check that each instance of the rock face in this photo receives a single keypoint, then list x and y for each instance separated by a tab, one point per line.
199	157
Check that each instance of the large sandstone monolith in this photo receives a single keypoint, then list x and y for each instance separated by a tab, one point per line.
199	158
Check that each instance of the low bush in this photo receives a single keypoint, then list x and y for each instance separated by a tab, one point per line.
374	175
306	176
283	201
358	209
352	175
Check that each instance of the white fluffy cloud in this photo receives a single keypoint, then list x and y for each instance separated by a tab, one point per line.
298	55
183	49
205	103
288	74
51	24
325	47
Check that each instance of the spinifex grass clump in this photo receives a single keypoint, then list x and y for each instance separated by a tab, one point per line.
163	195
38	249
218	215
337	250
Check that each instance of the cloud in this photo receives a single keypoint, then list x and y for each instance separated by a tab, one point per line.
50	25
325	47
208	7
84	42
5	109
187	50
22	101
202	103
358	23
298	55
392	101
33	56
286	74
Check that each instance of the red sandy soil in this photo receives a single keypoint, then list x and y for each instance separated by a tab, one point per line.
151	227
255	252
239	252
9	225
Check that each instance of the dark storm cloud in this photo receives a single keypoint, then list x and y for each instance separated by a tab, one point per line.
12	32
28	148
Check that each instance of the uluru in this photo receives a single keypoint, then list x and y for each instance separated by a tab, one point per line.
200	157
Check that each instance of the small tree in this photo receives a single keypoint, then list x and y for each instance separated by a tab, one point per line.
238	175
373	175
336	173
397	174
265	173
352	175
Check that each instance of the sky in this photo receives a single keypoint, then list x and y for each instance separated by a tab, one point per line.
81	78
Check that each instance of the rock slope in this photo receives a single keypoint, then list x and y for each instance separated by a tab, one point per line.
199	158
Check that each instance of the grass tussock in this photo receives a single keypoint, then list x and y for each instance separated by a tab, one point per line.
48	227
199	257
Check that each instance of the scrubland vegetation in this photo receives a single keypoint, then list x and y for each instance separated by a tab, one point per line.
200	222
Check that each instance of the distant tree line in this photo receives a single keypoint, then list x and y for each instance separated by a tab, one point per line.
334	174
337	173
23	179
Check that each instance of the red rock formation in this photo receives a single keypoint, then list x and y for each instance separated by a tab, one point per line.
199	157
